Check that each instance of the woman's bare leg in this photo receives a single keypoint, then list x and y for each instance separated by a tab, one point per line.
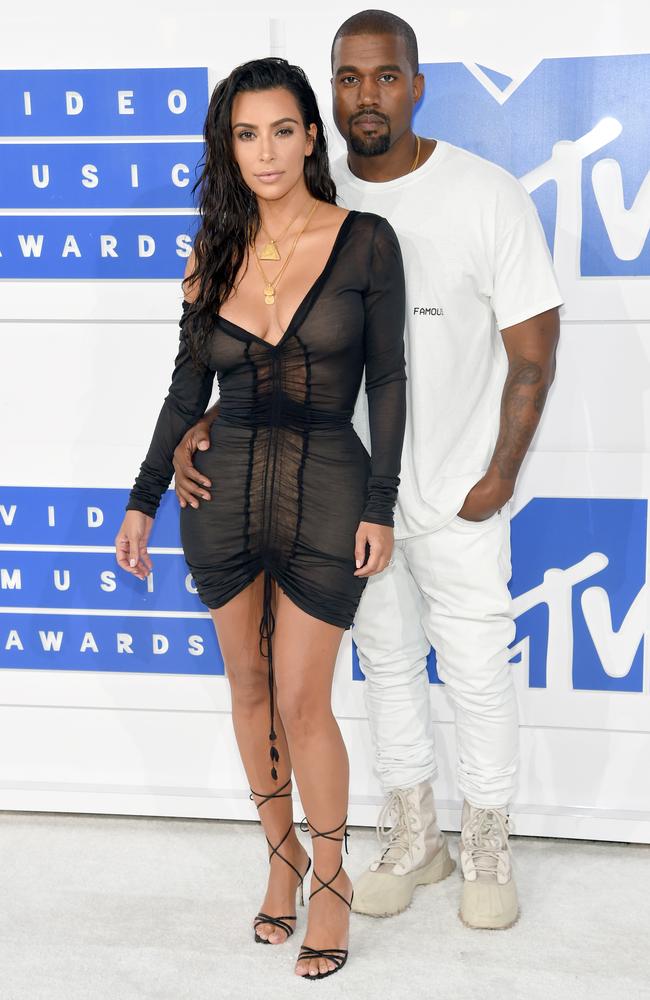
305	651
237	624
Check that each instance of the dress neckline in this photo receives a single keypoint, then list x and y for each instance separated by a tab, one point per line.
309	297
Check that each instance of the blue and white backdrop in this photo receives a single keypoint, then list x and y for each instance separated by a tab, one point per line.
112	695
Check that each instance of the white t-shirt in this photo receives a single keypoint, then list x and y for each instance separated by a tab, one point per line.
476	260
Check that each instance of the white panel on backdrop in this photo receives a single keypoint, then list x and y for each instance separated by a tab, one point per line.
90	361
601	395
110	382
186	764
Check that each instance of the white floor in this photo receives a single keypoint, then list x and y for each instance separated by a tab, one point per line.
117	908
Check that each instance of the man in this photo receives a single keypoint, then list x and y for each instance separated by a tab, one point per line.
481	333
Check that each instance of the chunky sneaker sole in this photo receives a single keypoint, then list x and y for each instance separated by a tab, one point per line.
485	905
383	894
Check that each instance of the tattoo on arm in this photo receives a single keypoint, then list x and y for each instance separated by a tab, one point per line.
524	395
540	398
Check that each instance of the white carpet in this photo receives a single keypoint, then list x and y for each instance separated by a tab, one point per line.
114	908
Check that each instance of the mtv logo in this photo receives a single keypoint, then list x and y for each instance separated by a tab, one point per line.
578	586
578	583
574	131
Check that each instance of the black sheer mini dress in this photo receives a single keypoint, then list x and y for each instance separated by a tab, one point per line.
291	479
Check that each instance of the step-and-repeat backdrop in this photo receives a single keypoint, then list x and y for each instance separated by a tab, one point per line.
112	694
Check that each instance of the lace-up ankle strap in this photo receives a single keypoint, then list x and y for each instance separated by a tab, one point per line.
279	793
308	827
328	885
275	848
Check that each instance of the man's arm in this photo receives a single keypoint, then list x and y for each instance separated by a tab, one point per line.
531	348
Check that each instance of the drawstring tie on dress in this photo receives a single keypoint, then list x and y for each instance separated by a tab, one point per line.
267	628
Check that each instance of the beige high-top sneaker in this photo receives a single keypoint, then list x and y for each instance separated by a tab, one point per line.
414	853
489	897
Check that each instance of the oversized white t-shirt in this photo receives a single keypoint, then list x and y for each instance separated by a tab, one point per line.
476	261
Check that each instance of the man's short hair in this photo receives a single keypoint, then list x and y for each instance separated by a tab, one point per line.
380	22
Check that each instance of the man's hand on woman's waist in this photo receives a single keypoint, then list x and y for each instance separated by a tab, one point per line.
190	484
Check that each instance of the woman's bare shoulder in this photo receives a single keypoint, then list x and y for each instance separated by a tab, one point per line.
327	221
329	215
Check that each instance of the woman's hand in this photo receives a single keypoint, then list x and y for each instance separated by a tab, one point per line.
380	539
131	544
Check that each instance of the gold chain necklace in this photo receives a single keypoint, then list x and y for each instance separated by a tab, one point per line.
270	249
417	154
271	285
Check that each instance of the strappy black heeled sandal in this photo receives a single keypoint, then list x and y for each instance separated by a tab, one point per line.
338	956
266	918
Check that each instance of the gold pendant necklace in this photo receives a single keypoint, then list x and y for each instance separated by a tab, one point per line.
270	286
270	249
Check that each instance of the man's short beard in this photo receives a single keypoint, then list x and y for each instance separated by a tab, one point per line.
375	146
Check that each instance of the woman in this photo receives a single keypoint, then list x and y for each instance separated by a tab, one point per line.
287	297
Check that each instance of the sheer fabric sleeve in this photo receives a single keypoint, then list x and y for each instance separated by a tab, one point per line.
186	400
385	372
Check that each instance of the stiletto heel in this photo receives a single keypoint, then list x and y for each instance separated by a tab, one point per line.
266	918
338	956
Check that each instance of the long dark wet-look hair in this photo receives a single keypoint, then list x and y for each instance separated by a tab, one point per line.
228	209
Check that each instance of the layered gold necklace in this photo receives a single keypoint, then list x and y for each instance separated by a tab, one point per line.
271	284
270	250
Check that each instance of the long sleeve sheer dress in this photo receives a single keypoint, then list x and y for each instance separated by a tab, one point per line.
291	479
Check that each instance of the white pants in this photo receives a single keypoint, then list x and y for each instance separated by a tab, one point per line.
447	589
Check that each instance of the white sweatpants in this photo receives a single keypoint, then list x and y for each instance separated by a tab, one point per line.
447	589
